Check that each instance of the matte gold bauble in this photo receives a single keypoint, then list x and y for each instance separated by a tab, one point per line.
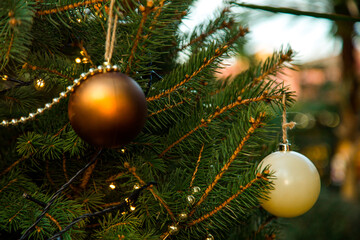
296	184
108	109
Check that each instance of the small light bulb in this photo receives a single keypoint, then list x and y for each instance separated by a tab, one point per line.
39	83
5	77
85	60
78	60
132	208
112	186
82	53
136	186
78	20
123	150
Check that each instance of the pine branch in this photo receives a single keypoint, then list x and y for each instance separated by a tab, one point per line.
197	166
145	11
87	175
68	7
27	65
7	185
225	203
207	62
9	47
132	170
8	169
255	123
169	107
263	225
48	173
287	57
202	36
204	123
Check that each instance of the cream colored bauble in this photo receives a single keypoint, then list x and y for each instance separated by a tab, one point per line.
296	184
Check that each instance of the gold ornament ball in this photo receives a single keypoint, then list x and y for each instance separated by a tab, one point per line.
296	184
108	109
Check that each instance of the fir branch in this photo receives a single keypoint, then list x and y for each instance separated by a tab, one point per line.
66	175
263	225
27	65
110	204
62	129
225	203
68	7
255	123
7	185
17	213
169	107
145	11
10	46
287	57
114	177
207	62
204	123
197	166
54	221
202	36
8	169
48	173
58	192
115	225
87	175
132	170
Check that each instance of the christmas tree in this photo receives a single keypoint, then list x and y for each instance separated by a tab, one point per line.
192	171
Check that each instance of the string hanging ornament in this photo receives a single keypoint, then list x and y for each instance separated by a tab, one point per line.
296	180
109	108
106	107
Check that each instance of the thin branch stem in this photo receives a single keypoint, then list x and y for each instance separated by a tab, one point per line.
132	170
68	7
87	175
197	166
255	123
330	16
218	53
145	13
7	185
27	65
169	107
225	203
204	123
8	169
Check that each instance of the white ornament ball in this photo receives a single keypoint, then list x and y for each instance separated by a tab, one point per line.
296	184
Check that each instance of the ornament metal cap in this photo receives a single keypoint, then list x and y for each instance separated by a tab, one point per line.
284	147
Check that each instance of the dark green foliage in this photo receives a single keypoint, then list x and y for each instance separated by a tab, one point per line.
189	110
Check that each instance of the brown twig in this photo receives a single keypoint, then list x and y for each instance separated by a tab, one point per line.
168	107
8	169
207	62
197	166
115	225
132	170
10	46
114	177
263	225
68	7
87	175
66	175
219	111
283	58
255	123
62	129
7	185
53	220
202	36
145	11
47	172
225	203
27	65
17	213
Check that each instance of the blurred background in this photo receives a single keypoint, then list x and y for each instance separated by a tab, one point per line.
326	80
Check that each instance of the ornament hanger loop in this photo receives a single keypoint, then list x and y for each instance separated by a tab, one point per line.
285	146
110	36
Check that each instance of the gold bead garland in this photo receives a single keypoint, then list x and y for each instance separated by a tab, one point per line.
106	68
